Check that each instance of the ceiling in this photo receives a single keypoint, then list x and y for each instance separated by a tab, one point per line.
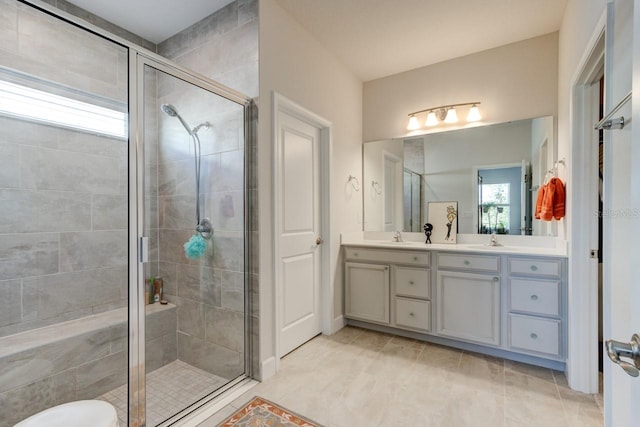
377	38
153	20
373	38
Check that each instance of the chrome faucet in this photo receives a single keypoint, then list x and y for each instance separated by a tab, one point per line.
398	237
494	240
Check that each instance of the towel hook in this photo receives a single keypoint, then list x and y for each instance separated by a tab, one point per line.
376	187
354	182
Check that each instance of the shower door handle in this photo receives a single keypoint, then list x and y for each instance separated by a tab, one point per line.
143	249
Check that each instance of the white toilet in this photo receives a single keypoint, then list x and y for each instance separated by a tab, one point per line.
82	413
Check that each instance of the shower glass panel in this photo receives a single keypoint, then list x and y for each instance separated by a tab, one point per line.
63	213
194	217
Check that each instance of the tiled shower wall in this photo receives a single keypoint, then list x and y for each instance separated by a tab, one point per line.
209	292
81	230
63	221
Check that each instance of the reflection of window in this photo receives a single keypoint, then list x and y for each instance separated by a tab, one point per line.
495	208
32	104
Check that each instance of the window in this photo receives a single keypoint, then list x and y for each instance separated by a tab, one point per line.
32	104
495	208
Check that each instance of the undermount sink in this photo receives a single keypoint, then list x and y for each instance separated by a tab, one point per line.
404	243
491	247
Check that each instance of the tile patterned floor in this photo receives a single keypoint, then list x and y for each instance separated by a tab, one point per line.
170	389
364	378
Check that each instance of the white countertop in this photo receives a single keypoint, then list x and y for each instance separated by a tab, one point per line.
513	245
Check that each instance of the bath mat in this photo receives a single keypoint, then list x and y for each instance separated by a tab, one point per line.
262	413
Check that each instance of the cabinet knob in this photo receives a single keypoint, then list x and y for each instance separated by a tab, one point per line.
534	297
355	254
496	279
534	268
411	314
533	335
415	258
411	282
467	262
386	268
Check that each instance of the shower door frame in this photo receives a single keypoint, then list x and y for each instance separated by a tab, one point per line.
138	250
137	58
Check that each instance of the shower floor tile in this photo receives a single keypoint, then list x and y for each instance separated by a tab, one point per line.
169	390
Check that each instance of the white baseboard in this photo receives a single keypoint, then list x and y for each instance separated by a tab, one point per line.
268	368
338	323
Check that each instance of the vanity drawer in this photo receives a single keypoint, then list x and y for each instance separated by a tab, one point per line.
534	334
535	296
412	282
388	256
535	266
469	262
413	314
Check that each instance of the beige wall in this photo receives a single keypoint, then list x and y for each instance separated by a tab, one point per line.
513	82
295	65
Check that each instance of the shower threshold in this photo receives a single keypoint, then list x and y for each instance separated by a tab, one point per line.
170	389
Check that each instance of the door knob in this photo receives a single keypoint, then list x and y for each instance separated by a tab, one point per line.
319	241
630	350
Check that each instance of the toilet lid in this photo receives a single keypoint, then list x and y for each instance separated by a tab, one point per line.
82	413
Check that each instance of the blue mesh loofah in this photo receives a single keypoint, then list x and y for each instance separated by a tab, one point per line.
195	247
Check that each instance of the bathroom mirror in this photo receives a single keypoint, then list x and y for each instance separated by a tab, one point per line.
493	172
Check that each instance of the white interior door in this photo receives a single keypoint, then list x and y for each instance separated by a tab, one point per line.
621	222
392	192
298	230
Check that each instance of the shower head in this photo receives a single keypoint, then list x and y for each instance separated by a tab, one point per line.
171	111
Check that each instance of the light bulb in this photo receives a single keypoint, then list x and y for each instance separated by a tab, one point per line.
474	114
413	123
432	120
452	116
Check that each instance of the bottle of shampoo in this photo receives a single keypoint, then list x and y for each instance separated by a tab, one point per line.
157	289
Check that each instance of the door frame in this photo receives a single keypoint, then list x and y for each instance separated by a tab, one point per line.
280	103
582	360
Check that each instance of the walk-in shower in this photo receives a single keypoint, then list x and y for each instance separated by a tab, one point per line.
96	203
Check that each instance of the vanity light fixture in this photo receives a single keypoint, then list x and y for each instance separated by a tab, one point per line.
413	123
474	114
452	116
445	113
432	120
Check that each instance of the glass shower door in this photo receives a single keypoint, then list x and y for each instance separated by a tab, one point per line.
194	221
63	213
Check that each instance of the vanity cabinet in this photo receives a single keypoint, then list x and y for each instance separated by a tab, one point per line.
535	304
507	305
469	302
367	292
411	295
373	276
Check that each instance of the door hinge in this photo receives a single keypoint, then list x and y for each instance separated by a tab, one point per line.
594	253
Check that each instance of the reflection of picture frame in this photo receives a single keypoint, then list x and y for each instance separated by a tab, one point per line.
444	217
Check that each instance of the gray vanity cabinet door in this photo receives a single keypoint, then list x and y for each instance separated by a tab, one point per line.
469	306
367	292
